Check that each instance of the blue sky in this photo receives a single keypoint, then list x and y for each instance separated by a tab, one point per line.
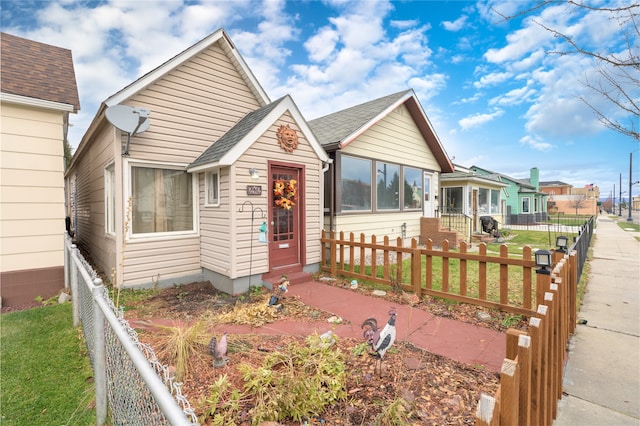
495	96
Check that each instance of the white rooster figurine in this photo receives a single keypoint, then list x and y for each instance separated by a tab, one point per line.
380	340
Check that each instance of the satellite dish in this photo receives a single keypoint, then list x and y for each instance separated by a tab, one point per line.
128	119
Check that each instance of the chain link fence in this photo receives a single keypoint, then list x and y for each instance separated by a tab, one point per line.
131	384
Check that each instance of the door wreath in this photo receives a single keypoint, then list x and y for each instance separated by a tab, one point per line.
285	193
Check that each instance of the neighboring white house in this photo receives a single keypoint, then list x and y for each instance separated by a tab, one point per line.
37	93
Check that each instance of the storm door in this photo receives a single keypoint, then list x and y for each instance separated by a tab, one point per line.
284	215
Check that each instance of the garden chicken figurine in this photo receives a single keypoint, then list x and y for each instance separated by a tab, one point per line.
218	351
380	340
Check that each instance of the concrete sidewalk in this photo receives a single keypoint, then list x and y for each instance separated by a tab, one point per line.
602	376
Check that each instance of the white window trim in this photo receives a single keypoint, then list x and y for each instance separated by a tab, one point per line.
206	188
522	205
110	207
128	164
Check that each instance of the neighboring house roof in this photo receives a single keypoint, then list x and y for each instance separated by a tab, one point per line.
462	176
337	130
523	184
33	71
554	183
226	150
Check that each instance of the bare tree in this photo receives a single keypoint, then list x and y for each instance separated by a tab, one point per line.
578	202
619	72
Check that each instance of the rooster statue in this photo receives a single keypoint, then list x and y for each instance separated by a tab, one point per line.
380	340
218	351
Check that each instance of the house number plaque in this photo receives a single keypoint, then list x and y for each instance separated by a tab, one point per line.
254	190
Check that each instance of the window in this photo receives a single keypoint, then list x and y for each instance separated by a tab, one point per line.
162	200
488	201
495	201
212	183
525	205
412	188
452	200
535	205
387	186
110	199
355	174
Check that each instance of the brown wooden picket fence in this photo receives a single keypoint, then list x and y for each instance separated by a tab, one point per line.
384	263
531	374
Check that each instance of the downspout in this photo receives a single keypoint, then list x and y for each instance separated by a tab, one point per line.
325	167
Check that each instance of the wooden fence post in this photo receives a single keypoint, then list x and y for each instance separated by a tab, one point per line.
488	411
535	332
416	263
332	255
504	276
524	364
544	363
509	408
543	280
512	342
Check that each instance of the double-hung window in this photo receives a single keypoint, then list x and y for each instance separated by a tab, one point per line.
162	200
526	205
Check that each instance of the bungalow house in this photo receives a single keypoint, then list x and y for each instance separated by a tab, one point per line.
386	167
222	185
525	203
467	196
37	94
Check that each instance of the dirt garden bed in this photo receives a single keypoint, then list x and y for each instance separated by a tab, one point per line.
416	386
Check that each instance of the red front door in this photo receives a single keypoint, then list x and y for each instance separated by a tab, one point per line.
284	215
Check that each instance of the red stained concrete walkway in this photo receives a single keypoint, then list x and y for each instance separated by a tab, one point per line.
456	340
453	339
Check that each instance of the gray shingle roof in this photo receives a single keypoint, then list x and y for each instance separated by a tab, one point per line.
335	127
229	140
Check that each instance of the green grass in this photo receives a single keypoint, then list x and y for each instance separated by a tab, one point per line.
629	226
45	374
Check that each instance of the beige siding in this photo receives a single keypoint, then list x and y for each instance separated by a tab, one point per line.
89	201
191	107
216	229
266	148
388	224
31	188
396	139
148	261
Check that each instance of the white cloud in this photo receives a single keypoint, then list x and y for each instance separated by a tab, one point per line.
492	79
476	120
536	143
514	97
456	25
322	45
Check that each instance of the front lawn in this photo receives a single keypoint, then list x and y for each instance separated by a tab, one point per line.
45	374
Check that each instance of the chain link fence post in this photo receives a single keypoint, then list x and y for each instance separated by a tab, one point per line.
100	356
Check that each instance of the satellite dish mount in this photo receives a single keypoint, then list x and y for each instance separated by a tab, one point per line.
130	120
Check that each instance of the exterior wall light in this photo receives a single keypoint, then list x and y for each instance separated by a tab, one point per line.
254	174
543	260
562	243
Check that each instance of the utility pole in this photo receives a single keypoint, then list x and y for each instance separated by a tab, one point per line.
629	217
620	197
613	210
